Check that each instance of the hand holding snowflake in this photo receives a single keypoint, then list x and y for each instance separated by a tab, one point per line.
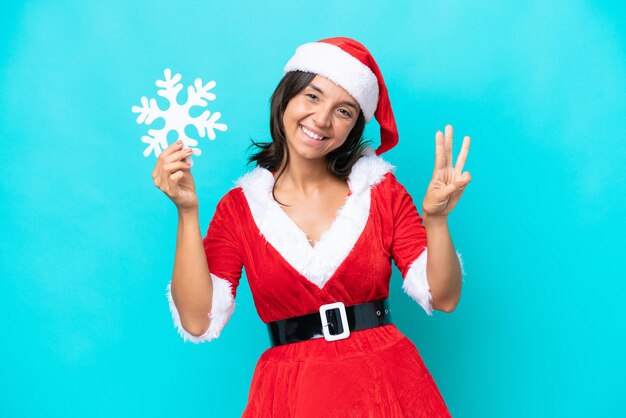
177	116
173	176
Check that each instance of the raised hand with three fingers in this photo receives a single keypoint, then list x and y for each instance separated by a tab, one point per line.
448	182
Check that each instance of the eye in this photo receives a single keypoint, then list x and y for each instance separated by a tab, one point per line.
345	113
311	95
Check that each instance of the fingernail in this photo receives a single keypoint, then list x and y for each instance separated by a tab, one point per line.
180	141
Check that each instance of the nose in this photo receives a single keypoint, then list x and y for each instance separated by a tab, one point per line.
322	116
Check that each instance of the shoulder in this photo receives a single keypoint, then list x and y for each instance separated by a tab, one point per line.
257	181
370	171
231	204
254	181
374	171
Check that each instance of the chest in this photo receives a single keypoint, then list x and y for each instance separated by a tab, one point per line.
289	277
315	214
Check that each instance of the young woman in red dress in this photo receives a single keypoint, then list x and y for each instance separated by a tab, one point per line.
315	225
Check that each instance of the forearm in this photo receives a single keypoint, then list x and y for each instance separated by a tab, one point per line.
192	288
442	267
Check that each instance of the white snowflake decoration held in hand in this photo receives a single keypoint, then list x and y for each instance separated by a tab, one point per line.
177	116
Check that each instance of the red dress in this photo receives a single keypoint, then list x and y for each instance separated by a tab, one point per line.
376	372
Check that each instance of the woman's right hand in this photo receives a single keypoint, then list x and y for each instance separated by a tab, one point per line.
172	175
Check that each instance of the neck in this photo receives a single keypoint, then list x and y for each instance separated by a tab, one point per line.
304	176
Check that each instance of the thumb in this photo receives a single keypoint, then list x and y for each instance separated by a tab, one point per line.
177	176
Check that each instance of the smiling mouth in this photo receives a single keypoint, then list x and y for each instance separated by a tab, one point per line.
312	135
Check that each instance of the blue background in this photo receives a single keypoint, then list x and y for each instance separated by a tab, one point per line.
88	242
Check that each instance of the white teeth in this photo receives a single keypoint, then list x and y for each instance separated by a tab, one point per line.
311	134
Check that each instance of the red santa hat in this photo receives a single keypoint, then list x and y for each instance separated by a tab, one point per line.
350	65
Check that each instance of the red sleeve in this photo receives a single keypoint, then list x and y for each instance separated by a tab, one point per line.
409	233
221	244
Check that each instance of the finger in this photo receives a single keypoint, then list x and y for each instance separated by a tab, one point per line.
448	145
449	189
463	181
466	177
178	155
440	156
171	168
462	157
171	149
165	154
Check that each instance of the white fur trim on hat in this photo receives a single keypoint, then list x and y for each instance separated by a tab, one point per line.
222	308
339	66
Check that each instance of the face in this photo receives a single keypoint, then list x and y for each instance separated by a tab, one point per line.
318	119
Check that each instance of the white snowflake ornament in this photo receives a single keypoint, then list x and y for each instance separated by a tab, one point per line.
177	116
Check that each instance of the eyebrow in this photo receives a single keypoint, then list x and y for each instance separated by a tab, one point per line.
352	105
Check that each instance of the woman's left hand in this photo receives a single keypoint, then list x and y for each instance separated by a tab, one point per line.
448	182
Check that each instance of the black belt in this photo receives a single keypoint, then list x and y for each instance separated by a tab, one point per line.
334	321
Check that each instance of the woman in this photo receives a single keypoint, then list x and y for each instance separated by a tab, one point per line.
316	225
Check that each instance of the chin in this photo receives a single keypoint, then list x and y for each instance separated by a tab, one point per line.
308	155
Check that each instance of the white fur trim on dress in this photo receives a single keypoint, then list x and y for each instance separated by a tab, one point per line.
415	283
338	65
318	263
222	308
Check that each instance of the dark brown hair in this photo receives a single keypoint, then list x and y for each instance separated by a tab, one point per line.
340	161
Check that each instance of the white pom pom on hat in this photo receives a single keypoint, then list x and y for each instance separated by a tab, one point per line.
349	64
